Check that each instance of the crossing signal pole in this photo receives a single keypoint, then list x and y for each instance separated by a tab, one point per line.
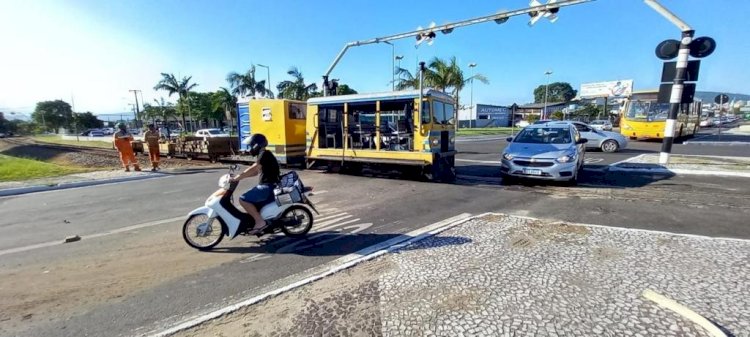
536	11
678	92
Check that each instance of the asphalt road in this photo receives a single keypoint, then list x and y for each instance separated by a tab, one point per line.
144	277
480	155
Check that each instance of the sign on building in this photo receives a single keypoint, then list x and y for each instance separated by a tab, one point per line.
621	88
492	114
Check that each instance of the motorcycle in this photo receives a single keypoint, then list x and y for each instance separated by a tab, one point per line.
290	213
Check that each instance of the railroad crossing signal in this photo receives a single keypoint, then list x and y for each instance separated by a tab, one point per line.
669	49
550	14
429	36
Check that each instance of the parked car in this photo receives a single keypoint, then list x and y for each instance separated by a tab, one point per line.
607	141
544	151
93	133
108	131
210	133
601	125
2	135
522	124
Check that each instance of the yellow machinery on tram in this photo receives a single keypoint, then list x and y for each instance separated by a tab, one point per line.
384	129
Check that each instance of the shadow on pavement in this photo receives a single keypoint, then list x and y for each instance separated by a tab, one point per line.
36	152
332	244
490	174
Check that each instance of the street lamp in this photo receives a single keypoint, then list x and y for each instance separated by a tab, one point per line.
546	92
398	58
268	77
471	102
393	65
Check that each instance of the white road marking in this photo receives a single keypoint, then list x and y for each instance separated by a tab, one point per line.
494	162
90	236
593	160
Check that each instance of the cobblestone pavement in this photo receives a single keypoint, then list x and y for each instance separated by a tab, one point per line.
511	276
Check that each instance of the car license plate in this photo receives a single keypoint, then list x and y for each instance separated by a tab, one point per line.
533	172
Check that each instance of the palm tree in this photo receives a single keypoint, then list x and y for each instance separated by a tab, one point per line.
297	89
223	99
246	84
445	76
166	109
406	80
171	85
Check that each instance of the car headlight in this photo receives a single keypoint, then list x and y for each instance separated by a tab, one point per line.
453	140
507	156
434	141
566	158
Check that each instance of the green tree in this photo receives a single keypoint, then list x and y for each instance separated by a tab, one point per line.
589	111
558	92
446	76
344	89
297	88
160	110
223	100
172	85
53	114
202	105
86	120
247	84
558	115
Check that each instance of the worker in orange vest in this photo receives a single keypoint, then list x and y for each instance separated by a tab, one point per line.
122	139
152	139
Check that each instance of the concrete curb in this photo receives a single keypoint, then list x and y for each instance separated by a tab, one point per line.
85	183
716	143
340	264
43	188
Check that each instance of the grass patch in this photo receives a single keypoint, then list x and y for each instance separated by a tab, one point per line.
83	143
16	169
486	131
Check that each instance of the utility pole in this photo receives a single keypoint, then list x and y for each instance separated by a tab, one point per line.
546	92
136	111
471	102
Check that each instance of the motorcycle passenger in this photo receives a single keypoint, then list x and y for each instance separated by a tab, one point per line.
267	167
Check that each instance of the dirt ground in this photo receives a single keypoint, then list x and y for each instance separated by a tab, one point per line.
82	156
346	304
93	273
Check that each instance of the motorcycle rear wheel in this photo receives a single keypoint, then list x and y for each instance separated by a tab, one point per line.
296	221
202	233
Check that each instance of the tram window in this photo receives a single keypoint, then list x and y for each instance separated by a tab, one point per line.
426	115
297	111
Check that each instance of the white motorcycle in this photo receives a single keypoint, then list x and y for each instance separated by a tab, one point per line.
289	213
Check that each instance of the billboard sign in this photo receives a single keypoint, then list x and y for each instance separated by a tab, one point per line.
622	88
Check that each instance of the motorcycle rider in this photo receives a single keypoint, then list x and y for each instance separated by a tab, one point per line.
267	167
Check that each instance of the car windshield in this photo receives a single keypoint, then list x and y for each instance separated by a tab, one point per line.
555	135
649	111
214	132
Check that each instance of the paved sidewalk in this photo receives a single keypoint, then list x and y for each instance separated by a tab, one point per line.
686	164
509	276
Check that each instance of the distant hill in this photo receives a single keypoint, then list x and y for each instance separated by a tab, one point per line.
708	96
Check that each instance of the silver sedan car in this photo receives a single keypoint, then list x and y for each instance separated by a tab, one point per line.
607	141
545	151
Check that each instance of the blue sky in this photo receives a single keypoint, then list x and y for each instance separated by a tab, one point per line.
96	50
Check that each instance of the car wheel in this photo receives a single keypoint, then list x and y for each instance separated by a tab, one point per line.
610	146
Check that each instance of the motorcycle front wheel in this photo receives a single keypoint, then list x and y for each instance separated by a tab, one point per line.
202	232
296	221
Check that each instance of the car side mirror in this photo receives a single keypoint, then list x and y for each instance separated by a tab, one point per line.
582	141
509	139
